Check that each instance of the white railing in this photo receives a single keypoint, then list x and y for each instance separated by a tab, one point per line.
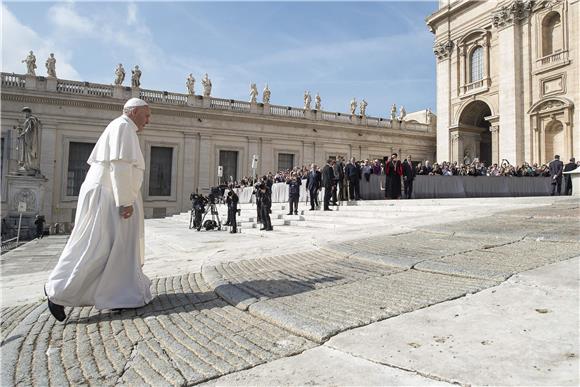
473	86
84	88
559	56
155	96
164	97
13	80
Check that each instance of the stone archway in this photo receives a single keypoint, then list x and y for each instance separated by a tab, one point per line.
551	122
471	137
554	142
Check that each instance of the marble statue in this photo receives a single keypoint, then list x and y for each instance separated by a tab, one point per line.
206	82
353	106
253	93
393	112
429	116
29	143
119	75
317	102
136	77
190	84
51	66
402	113
307	100
30	64
266	94
363	108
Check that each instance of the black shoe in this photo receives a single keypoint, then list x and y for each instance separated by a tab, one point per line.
289	213
295	213
263	228
56	310
270	229
327	209
233	232
312	209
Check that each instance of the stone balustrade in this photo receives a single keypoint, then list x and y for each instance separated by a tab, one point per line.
63	86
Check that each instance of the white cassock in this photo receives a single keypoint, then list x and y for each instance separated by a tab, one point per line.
101	262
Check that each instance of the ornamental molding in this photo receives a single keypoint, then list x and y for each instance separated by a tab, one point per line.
507	15
443	50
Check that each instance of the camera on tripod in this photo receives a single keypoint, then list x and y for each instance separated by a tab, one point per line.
202	206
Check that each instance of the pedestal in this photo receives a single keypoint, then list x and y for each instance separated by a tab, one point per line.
253	107
135	92
190	100
30	190
51	83
30	82
206	103
267	108
118	92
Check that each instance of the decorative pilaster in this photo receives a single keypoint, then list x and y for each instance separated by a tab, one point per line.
507	15
443	50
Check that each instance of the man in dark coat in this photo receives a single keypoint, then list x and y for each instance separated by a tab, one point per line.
343	195
556	168
408	177
232	202
258	194
327	182
39	222
293	193
266	206
393	172
313	184
353	174
567	168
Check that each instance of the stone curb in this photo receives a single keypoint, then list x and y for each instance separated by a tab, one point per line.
231	293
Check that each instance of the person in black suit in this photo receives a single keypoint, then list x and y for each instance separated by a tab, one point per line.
232	202
340	176
353	173
408	177
293	193
266	207
393	173
313	183
567	168
556	168
327	182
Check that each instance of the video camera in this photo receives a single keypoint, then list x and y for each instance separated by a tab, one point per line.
198	202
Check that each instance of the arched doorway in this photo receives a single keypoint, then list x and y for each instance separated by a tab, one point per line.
472	136
555	141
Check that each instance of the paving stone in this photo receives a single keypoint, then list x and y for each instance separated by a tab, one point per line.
186	335
501	262
322	313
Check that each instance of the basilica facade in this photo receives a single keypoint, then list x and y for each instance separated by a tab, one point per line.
508	80
188	138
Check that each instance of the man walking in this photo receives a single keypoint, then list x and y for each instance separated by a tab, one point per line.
101	264
232	203
556	168
313	185
352	172
408	177
327	182
293	193
266	195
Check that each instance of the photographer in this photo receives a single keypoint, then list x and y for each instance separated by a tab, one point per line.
198	203
265	207
294	193
232	202
258	194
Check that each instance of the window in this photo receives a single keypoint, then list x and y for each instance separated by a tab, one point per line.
229	160
285	161
551	34
78	154
477	64
160	171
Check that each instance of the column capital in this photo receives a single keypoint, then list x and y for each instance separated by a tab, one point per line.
443	50
507	15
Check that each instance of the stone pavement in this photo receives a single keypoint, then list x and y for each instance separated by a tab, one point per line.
422	298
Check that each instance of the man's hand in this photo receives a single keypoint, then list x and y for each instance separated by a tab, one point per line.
126	211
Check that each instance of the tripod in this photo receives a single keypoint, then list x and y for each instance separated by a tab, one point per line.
215	221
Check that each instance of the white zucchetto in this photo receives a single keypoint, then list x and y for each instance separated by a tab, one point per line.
134	102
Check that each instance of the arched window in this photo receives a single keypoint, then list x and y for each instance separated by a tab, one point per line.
551	34
476	61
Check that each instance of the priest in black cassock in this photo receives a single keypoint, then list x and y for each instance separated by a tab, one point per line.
393	172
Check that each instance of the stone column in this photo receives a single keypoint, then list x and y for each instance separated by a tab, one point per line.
511	137
189	168
267	159
443	52
205	165
455	148
494	143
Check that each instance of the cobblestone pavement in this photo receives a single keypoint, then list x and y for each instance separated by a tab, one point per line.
236	315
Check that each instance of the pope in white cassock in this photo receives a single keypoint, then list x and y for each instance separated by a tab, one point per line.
101	264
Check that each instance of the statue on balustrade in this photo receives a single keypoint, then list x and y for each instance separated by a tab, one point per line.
190	84
30	64
266	94
317	102
307	100
363	108
119	75
51	66
29	144
353	106
206	82
402	113
253	93
393	112
136	77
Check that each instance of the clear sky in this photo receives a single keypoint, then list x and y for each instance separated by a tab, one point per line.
379	51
